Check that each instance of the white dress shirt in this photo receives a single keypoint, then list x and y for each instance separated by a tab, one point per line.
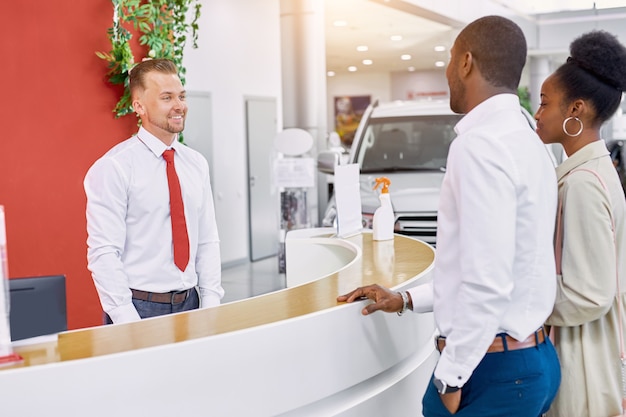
494	269
129	227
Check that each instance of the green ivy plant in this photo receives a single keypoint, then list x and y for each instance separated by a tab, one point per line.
524	99
163	26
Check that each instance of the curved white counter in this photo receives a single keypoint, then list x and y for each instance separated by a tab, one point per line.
295	352
314	253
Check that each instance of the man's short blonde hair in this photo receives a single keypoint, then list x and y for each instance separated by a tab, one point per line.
138	73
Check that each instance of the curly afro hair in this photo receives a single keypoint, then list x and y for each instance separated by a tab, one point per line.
595	71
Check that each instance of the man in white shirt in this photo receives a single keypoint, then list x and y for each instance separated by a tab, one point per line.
131	251
493	285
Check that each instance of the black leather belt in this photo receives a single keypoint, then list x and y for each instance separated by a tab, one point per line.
172	297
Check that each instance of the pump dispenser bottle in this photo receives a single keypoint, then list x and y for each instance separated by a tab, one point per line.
384	218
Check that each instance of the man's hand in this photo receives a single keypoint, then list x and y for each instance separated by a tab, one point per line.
385	300
451	401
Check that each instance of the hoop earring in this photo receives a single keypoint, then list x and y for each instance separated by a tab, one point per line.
565	128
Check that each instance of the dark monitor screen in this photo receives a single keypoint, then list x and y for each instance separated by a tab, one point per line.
37	306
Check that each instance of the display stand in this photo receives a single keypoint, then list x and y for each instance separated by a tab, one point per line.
7	357
294	177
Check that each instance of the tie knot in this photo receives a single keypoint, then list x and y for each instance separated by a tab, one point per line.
168	155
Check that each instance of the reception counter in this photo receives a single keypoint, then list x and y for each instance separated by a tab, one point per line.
294	352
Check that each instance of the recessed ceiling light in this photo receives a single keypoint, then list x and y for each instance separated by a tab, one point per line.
367	62
331	73
440	64
362	48
396	37
440	48
405	57
411	69
340	23
352	68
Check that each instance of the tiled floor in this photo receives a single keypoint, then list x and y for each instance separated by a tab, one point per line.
251	279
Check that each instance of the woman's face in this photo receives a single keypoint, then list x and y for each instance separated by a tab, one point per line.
551	114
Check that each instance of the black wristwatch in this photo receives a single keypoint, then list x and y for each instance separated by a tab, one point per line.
444	388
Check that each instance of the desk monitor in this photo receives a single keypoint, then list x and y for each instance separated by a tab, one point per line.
37	306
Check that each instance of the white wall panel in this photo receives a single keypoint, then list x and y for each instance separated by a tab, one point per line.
238	56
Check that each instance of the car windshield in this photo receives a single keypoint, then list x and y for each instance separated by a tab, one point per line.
411	143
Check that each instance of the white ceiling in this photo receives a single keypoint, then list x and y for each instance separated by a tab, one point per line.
550	6
371	23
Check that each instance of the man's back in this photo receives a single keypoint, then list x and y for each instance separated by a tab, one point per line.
495	229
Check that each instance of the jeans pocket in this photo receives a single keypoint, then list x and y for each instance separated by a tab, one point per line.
432	404
513	367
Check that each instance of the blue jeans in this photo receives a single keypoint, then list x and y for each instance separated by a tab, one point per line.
517	383
151	309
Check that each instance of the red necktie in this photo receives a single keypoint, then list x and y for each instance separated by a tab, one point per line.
177	213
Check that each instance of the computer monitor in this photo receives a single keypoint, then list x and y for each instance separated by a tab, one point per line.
37	306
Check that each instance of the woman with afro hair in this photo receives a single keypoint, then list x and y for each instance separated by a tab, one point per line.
590	237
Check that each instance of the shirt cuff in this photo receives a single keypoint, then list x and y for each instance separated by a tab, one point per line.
422	298
124	314
453	374
209	300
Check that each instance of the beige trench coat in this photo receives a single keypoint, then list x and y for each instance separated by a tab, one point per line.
585	316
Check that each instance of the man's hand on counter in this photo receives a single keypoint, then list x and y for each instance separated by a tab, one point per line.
384	299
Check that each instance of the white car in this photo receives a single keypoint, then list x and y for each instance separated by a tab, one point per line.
407	142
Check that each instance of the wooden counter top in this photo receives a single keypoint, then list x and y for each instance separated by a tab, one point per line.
411	258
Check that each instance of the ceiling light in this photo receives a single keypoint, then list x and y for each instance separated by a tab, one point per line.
331	73
362	48
440	48
340	23
352	68
440	64
411	69
405	57
367	62
396	37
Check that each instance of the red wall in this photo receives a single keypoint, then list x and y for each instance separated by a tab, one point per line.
56	107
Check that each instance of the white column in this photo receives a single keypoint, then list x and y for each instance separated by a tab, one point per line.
304	80
539	71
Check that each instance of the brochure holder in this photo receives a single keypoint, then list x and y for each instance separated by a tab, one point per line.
294	177
348	199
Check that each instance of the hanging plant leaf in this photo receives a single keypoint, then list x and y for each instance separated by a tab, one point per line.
163	25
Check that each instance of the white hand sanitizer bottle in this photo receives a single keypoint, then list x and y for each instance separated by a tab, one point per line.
384	219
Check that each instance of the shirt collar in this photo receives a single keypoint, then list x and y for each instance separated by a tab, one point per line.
155	144
588	152
485	110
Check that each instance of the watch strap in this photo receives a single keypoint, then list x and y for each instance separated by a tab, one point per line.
444	388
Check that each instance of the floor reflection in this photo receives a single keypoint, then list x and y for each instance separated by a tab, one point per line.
251	279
